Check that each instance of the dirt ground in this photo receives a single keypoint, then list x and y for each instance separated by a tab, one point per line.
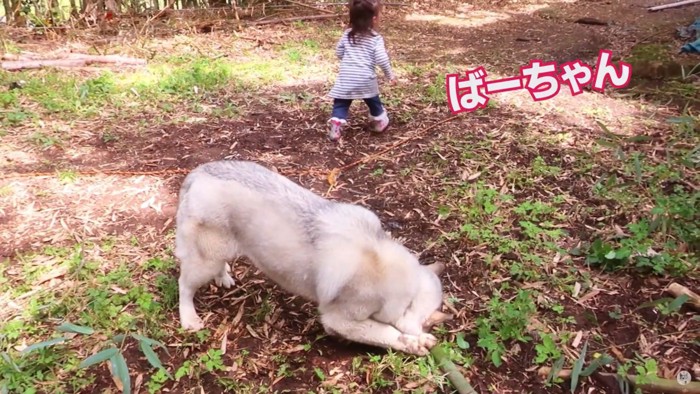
136	197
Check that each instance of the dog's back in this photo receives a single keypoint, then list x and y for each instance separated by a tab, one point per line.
238	208
252	177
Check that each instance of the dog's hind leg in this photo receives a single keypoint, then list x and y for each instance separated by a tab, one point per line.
374	333
203	253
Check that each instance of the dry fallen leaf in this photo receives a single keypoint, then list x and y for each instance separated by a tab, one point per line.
577	290
588	296
333	177
577	340
224	341
620	357
295	349
474	176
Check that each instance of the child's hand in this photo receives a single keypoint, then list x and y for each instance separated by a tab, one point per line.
394	81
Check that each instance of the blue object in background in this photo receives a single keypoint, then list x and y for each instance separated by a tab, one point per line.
687	32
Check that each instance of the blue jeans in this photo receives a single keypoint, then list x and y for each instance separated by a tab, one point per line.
342	106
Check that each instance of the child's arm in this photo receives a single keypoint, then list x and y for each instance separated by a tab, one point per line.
382	59
340	47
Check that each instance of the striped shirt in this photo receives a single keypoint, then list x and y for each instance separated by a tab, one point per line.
357	78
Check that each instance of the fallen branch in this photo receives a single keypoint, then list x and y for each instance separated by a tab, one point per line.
71	60
25	55
650	384
156	16
673	5
453	374
295	19
677	290
309	6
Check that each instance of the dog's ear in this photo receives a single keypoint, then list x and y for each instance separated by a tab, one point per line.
437	268
435	318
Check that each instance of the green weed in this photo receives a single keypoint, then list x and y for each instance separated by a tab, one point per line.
504	322
547	350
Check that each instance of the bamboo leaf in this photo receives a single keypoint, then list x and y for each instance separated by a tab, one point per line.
638	169
149	341
99	357
654	303
638	138
606	143
121	372
597	363
152	357
8	360
607	132
556	368
118	339
578	366
678	302
43	344
70	327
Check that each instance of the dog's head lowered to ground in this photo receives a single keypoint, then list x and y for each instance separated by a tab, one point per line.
379	293
424	308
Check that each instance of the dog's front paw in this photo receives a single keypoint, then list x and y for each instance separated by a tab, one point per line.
224	280
427	340
414	344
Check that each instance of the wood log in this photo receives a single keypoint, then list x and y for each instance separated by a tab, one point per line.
34	64
677	290
107	59
70	61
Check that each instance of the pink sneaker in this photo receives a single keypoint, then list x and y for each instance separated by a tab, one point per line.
379	123
336	129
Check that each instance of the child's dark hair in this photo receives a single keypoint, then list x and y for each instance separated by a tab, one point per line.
362	13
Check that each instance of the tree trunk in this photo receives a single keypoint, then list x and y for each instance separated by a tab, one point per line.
8	10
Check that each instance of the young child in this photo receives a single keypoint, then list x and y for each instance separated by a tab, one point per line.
360	50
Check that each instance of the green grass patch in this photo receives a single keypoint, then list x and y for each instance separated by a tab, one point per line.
160	86
99	303
664	239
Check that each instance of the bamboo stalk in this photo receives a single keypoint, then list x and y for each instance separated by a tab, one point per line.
453	374
648	384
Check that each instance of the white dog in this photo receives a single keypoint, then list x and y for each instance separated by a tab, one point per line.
368	288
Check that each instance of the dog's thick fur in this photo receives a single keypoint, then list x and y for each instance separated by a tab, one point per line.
368	288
